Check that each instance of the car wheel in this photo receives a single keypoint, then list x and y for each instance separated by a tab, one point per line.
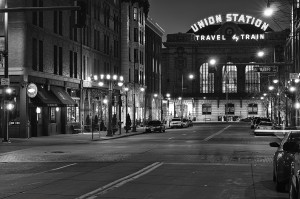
292	192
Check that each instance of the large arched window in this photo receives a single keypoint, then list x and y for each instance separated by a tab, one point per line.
229	78
206	79
252	80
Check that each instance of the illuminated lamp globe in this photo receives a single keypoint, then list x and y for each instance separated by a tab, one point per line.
105	101
101	84
10	106
297	105
260	53
120	84
292	89
212	62
155	95
268	12
168	95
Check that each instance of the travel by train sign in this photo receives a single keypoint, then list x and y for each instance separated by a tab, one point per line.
230	17
234	37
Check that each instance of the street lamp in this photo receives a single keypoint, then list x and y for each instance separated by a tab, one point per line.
112	81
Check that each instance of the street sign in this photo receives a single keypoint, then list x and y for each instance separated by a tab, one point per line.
5	81
265	69
294	75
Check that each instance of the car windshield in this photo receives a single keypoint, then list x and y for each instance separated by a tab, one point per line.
176	120
265	124
154	123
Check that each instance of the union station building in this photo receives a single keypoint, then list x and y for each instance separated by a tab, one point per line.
232	87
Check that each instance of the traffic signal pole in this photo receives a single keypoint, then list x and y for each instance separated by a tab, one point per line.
5	55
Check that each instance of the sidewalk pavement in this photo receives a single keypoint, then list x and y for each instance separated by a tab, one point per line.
63	139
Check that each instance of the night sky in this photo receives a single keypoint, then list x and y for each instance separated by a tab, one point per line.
178	15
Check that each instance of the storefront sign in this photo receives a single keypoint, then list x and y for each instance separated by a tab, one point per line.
265	69
230	17
32	90
234	37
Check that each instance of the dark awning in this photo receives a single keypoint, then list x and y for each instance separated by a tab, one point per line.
45	98
63	96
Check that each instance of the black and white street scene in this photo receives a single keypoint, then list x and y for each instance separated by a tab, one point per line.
149	99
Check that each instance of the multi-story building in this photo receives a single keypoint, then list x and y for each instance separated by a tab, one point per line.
153	103
65	63
228	89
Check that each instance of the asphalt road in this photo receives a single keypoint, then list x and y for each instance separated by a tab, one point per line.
207	161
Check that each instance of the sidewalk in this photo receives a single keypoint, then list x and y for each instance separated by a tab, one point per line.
63	139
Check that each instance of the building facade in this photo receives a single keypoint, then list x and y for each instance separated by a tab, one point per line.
232	87
153	103
65	62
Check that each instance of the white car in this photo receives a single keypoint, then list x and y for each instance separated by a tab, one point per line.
176	122
264	128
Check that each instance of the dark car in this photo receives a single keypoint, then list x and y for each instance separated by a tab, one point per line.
259	120
282	160
155	125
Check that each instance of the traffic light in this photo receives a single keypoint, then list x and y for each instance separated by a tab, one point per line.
80	15
10	98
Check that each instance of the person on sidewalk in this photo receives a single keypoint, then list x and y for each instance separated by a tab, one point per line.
128	123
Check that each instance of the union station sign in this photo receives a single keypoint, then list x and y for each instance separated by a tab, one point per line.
234	37
230	17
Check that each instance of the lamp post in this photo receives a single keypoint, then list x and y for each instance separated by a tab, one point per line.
112	81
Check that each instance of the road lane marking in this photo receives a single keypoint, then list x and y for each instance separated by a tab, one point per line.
208	164
55	169
113	185
217	133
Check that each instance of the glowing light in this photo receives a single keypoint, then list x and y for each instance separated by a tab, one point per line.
168	95
89	79
142	89
102	76
262	98
265	94
179	98
107	76
271	88
191	76
155	95
297	80
126	89
297	105
10	106
292	88
57	109
95	77
121	78
38	110
101	84
120	84
212	62
115	77
105	101
8	90
260	53
268	12
275	81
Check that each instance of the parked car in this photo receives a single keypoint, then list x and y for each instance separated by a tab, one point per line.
282	160
176	122
264	128
259	120
185	123
155	125
294	148
247	119
253	122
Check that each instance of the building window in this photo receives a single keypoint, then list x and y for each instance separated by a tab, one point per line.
55	60
73	64
206	79
252	80
135	13
60	60
106	15
229	78
252	109
73	113
34	53
52	114
41	56
229	109
106	44
57	22
38	17
135	35
206	109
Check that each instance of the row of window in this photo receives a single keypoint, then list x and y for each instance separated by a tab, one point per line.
229	79
229	109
